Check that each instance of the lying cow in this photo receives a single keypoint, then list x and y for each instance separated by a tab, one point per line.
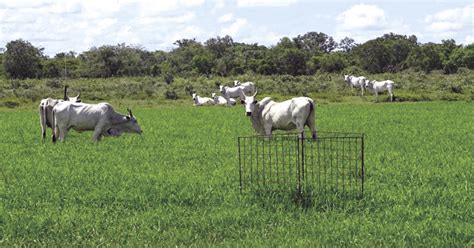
354	81
45	109
380	86
267	115
200	101
248	87
100	118
220	100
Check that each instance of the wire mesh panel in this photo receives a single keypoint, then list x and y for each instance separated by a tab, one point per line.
333	163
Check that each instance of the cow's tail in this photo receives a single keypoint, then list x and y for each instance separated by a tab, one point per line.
43	117
53	126
311	120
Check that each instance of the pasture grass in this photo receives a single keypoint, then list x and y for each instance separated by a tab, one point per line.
177	184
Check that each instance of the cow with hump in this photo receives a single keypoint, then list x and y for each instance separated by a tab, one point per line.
100	118
267	115
45	109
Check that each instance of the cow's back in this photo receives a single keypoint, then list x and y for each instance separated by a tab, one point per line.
81	116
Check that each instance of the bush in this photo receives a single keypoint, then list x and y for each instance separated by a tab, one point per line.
171	95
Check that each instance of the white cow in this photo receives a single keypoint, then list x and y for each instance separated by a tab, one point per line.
220	100
200	101
45	109
380	86
100	118
354	81
248	87
230	92
267	115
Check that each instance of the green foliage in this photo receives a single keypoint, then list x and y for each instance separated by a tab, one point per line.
178	184
22	60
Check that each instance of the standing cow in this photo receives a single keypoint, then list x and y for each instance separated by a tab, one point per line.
45	109
380	86
100	118
230	92
248	87
267	115
354	81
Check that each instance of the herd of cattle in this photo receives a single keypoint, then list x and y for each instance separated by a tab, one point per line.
266	115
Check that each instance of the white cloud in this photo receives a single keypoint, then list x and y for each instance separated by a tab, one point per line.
235	27
451	20
362	17
468	40
225	18
265	3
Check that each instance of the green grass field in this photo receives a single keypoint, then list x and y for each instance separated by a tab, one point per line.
178	183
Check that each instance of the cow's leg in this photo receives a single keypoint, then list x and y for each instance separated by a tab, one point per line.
362	89
62	134
268	130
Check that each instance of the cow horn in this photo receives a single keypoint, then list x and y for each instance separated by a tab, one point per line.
78	94
129	112
255	92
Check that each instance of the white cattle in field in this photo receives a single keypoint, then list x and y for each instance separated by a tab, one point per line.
199	101
100	118
248	87
354	81
267	115
220	100
45	109
380	86
230	92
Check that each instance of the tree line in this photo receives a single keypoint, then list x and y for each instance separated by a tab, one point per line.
306	54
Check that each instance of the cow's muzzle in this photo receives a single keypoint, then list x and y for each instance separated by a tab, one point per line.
248	113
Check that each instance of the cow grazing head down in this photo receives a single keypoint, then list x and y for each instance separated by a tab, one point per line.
250	104
131	125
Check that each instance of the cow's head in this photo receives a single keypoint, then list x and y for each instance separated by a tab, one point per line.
194	96
250	103
346	77
71	99
222	89
75	98
213	95
236	82
131	124
368	83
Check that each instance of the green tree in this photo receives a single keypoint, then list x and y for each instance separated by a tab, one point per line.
22	60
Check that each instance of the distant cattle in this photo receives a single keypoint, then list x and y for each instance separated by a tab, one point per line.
100	118
220	100
45	109
200	101
248	87
380	86
267	115
230	92
354	81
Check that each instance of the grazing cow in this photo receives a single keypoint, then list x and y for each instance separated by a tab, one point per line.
46	107
267	115
380	86
229	92
219	100
200	101
100	118
354	81
248	87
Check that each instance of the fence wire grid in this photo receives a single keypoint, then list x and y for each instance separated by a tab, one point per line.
333	163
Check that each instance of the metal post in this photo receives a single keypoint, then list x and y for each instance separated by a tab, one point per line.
240	165
302	159
363	169
298	163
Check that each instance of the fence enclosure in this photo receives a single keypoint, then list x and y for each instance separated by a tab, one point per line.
331	165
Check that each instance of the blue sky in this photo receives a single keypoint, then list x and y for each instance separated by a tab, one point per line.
61	26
